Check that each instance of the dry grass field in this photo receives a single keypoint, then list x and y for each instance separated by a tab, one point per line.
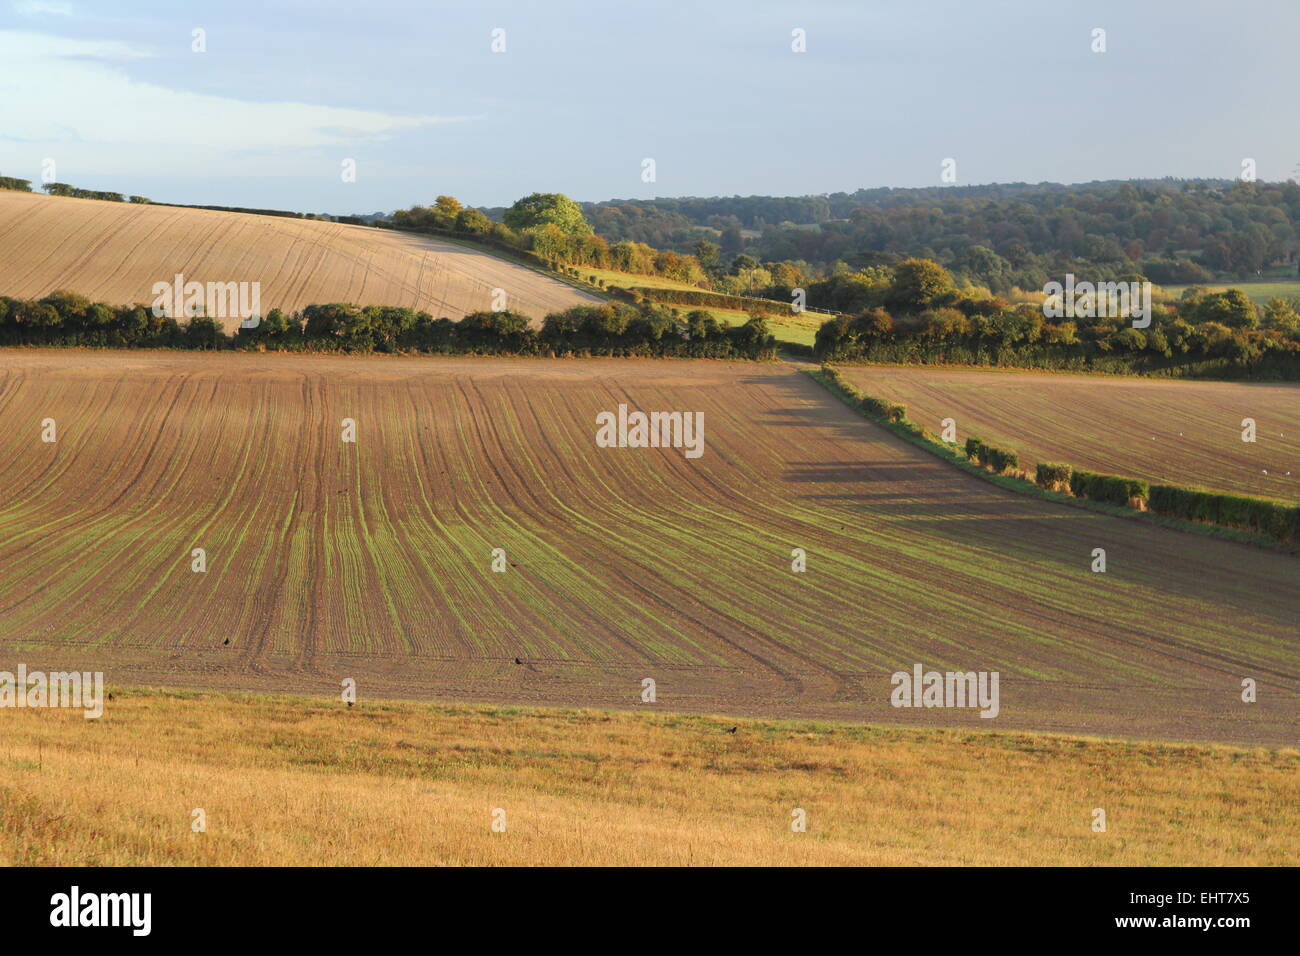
285	781
328	560
115	252
1179	432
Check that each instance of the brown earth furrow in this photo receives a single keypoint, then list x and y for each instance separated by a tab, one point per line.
625	563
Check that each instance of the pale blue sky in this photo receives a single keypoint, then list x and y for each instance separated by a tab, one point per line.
112	92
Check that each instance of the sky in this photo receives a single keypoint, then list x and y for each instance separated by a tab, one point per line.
283	95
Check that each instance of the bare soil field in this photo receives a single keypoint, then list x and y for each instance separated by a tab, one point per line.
372	560
1174	432
115	252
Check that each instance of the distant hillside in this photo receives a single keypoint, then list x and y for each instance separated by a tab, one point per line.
1173	231
115	252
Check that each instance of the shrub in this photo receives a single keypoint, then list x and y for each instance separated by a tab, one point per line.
890	411
973	447
1278	520
1053	476
999	459
1114	489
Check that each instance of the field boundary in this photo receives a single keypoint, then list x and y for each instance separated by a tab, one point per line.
710	721
503	785
920	437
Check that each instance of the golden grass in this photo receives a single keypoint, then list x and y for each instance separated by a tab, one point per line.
292	781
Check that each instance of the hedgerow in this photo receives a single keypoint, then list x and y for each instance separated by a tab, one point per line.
1115	489
615	329
1053	476
1274	519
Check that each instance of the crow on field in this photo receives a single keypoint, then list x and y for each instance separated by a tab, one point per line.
518	661
225	642
731	731
349	703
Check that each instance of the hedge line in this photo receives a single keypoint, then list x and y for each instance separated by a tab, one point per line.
875	407
1275	519
716	300
616	329
1115	489
1053	477
1265	359
999	459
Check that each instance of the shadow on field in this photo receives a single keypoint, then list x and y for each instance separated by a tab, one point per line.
848	472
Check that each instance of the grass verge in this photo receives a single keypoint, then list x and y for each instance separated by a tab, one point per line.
289	780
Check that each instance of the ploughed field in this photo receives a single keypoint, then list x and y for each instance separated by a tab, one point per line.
328	560
116	252
1168	432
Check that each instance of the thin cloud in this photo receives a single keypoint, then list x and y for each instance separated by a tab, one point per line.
39	8
67	84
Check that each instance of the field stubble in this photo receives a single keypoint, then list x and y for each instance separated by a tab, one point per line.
285	781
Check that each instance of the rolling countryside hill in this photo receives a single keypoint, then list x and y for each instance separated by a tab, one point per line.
115	252
373	560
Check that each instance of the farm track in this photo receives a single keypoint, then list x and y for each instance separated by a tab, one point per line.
115	252
328	560
1171	432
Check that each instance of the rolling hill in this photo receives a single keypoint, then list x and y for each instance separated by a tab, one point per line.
115	252
372	560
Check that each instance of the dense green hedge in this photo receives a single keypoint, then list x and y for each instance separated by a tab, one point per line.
76	192
64	318
988	455
1115	489
875	407
999	459
712	300
890	411
1268	358
1053	476
19	185
1276	519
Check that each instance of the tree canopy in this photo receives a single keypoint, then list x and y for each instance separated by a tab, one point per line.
547	209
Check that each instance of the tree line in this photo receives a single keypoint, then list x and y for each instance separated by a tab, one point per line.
1001	236
609	329
550	228
915	313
